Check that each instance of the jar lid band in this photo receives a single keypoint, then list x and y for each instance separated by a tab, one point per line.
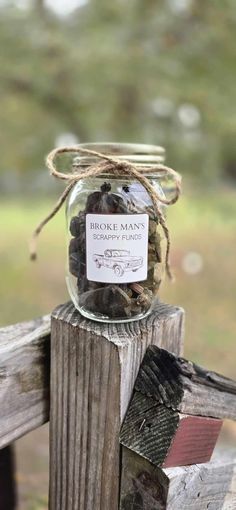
139	154
124	148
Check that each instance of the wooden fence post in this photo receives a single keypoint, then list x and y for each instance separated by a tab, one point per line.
93	370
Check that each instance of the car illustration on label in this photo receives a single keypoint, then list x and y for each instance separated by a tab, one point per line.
118	260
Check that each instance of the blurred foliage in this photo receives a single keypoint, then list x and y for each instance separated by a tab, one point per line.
161	71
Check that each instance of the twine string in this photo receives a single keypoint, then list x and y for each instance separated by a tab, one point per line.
110	164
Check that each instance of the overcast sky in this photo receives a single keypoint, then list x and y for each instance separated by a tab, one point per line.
64	7
60	7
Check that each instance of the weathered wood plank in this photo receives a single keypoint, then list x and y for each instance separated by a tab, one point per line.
93	369
209	486
162	424
166	437
184	386
24	378
143	486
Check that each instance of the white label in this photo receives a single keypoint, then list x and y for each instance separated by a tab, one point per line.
117	247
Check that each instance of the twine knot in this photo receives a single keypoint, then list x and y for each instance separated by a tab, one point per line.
109	164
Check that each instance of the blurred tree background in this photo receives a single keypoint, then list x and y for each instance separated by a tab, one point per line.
154	71
160	71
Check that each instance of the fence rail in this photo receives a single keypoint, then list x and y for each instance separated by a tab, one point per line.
24	378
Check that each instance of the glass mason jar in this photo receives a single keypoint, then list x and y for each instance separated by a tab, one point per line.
116	257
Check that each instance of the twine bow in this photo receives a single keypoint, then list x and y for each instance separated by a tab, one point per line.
109	164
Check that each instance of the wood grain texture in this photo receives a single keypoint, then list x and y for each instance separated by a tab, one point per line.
184	386
194	441
166	437
143	486
210	486
24	378
93	369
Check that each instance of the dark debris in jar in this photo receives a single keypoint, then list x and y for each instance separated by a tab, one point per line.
117	301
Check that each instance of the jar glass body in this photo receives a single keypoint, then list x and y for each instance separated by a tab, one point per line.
115	248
